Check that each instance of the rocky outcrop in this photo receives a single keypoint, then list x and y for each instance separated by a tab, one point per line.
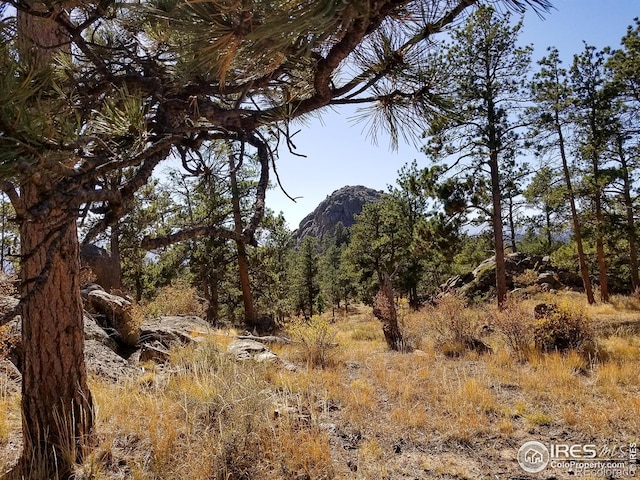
107	354
341	206
170	330
116	313
250	350
522	271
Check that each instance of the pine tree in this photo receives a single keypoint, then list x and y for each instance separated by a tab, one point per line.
593	119
486	73
553	99
305	277
547	193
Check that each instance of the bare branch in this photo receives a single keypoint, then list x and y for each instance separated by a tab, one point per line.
149	243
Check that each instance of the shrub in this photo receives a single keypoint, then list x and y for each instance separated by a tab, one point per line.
515	324
179	298
561	327
314	339
526	278
456	326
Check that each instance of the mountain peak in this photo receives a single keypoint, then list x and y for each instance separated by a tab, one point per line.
341	206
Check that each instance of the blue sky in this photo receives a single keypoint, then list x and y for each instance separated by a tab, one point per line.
338	152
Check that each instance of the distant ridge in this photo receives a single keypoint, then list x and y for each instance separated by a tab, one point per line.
341	206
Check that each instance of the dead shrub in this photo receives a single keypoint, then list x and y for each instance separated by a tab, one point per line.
456	326
179	298
515	324
315	340
527	278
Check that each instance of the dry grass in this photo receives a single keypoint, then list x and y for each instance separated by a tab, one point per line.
370	413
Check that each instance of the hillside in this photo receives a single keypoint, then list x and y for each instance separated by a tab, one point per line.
341	206
337	404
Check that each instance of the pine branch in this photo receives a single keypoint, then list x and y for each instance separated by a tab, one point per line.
149	243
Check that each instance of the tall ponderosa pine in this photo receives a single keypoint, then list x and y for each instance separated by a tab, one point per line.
378	248
551	120
486	73
593	119
624	68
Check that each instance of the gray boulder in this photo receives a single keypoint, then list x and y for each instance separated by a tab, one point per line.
169	330
549	280
10	376
106	363
116	314
250	350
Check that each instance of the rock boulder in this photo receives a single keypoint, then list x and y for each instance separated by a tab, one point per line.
116	314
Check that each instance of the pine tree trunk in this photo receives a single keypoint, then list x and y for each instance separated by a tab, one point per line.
210	289
629	210
498	238
512	226
56	402
57	410
602	262
250	314
582	261
547	212
116	260
493	144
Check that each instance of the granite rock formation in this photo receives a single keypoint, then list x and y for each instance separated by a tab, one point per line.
341	206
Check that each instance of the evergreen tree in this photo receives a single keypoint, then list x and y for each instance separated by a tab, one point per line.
623	67
486	73
271	265
551	120
547	193
593	117
305	286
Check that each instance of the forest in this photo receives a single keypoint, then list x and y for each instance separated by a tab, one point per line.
152	130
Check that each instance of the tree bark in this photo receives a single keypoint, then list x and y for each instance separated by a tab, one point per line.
498	238
602	262
250	314
384	310
116	260
57	408
496	196
512	225
547	217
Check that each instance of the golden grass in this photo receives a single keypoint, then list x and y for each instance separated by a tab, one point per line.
370	413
